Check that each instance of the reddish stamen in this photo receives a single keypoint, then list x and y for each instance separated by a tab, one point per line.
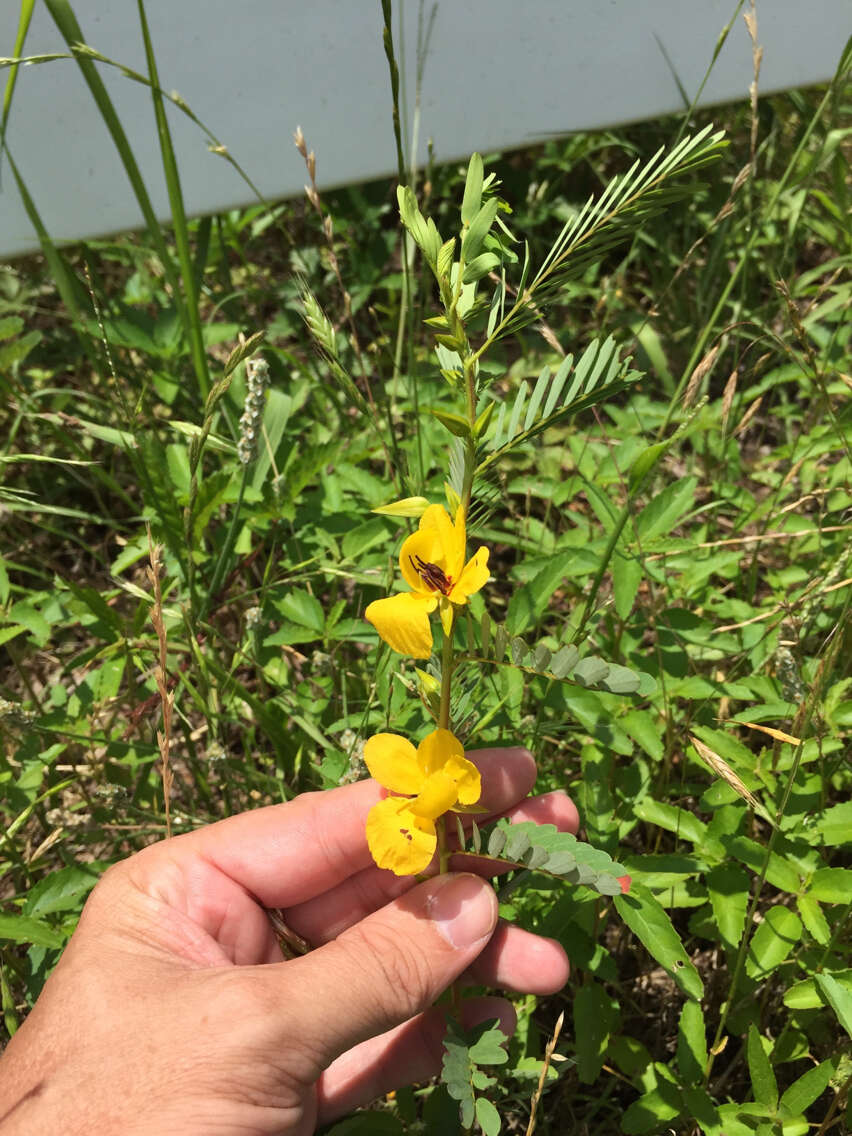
432	576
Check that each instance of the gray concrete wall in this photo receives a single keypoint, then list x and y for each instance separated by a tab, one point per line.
498	74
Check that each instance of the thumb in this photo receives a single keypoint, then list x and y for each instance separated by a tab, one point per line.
388	967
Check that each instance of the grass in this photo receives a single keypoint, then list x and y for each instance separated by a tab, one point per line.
722	784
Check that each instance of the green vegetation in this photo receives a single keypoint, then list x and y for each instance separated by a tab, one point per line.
678	555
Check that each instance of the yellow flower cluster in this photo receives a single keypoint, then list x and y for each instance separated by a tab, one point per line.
432	564
435	778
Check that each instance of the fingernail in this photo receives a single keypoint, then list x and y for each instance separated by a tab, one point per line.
463	909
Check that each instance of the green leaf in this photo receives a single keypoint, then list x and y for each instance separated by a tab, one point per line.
591	670
564	660
594	1017
479	228
24	929
518	842
463	1052
301	607
497	841
772	942
442	271
425	235
453	422
487	1117
530	600
599	374
831	885
622	680
626	578
732	1124
838	997
692	1043
472	189
480	266
23	614
701	1107
441	1114
61	890
780	872
567	857
728	888
664	510
643	190
835	825
488	1047
805	995
648	921
685	825
643	727
481	423
813	918
653	1109
646	461
804	1091
763	1083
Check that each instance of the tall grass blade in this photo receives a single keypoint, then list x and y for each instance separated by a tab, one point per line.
23	27
66	21
170	169
62	275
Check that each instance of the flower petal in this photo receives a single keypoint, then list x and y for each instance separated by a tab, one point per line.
399	840
437	541
467	779
403	622
392	760
437	749
474	577
447	613
437	796
417	547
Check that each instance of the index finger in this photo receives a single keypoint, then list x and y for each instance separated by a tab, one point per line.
286	854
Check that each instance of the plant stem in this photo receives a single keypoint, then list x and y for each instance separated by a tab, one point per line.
224	560
470	444
447	663
443	850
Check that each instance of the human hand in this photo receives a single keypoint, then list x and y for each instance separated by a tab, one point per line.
171	1010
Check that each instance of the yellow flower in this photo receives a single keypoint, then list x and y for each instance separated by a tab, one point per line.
401	831
432	564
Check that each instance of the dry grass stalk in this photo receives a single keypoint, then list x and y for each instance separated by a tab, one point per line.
164	736
720	767
747	417
750	18
726	210
728	397
778	735
703	369
548	1057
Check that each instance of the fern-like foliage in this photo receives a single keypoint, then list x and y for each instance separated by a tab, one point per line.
598	375
629	199
564	664
543	848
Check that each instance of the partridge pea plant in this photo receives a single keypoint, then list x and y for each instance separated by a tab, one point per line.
440	573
